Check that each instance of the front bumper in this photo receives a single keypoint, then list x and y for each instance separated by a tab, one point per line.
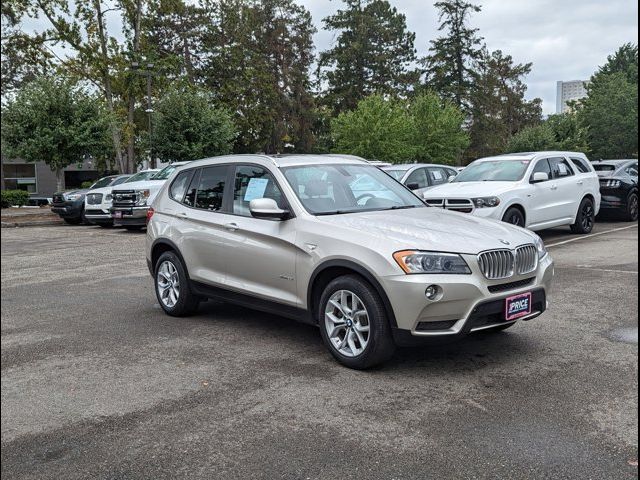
129	216
68	209
463	297
99	213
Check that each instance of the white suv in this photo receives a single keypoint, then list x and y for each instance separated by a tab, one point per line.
535	190
298	236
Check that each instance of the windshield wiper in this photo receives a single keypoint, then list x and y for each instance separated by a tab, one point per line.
336	212
402	207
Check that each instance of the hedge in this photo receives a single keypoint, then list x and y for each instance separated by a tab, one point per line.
10	198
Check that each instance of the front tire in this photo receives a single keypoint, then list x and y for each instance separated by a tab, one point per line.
354	324
172	287
585	219
631	215
72	220
514	216
133	228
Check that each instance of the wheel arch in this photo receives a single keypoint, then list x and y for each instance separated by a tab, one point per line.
161	246
331	269
518	206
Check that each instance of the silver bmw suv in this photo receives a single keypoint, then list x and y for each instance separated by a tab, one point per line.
336	242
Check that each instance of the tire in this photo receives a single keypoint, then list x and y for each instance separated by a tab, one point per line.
514	216
631	214
134	228
378	341
180	301
585	218
72	220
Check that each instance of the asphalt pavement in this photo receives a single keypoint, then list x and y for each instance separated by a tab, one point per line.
98	383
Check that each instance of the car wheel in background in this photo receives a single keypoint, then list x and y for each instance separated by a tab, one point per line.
134	228
586	218
632	207
72	220
514	216
172	287
354	324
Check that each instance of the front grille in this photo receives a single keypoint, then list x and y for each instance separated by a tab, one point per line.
58	199
493	312
503	287
124	198
94	199
463	205
501	264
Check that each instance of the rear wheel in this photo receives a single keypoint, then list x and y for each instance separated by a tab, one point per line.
172	287
354	324
631	214
514	216
585	219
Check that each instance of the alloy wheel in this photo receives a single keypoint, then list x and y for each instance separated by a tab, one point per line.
347	323
588	215
633	207
168	284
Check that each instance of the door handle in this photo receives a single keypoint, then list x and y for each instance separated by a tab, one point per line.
581	182
182	214
554	187
232	226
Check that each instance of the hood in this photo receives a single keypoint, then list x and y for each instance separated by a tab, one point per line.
142	184
469	189
433	229
82	191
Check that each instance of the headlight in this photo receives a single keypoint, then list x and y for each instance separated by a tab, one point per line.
415	261
488	202
72	197
143	196
542	250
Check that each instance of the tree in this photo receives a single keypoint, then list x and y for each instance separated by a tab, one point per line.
610	113
532	139
189	127
499	108
54	121
374	53
624	60
450	65
378	129
437	133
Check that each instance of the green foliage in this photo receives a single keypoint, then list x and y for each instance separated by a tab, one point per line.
624	60
10	198
558	132
532	139
86	184
451	63
54	121
373	53
392	130
499	108
189	127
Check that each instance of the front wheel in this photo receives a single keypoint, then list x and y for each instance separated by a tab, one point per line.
514	216
172	287
586	217
354	324
72	220
134	228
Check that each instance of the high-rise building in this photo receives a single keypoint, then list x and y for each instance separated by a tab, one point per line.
567	91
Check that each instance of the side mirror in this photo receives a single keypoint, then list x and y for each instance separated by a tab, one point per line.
267	208
451	178
539	177
413	186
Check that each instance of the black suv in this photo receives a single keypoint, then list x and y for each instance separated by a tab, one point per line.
70	205
619	188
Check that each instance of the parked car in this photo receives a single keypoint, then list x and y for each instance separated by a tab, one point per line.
70	205
534	190
131	202
97	203
619	188
420	177
373	270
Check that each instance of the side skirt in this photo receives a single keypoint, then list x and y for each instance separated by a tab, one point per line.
295	313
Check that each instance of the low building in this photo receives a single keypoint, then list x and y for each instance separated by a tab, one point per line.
569	91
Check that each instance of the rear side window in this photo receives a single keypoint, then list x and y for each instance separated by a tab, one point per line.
560	168
179	185
581	164
253	182
632	170
211	188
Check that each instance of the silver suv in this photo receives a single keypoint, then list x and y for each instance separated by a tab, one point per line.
338	243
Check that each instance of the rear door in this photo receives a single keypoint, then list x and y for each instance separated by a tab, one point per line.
567	188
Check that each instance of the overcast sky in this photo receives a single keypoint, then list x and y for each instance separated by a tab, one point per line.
565	39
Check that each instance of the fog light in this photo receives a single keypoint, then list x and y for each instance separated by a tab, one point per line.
433	292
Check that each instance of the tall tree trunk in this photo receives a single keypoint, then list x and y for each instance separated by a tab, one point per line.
59	180
131	108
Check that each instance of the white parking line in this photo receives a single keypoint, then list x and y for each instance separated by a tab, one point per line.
584	237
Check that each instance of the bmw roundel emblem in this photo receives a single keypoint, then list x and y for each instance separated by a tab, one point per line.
505	242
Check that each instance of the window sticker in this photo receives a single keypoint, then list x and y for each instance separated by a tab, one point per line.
563	169
256	189
437	174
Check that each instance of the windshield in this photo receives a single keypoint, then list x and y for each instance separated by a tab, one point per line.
119	180
397	174
604	170
335	189
165	172
140	176
494	171
103	182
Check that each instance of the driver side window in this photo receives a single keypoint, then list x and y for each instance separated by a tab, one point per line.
542	166
419	178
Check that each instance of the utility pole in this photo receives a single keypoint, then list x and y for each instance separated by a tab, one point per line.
147	72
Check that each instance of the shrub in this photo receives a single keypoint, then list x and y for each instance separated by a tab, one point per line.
10	198
86	184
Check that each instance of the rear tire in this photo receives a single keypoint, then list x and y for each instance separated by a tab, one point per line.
631	215
353	323
514	216
585	218
172	287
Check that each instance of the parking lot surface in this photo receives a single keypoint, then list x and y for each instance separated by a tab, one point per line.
98	383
